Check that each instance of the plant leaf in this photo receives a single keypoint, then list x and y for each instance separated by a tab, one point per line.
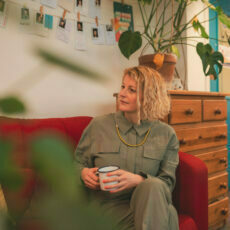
9	172
196	25
175	50
52	158
129	43
11	105
211	61
58	60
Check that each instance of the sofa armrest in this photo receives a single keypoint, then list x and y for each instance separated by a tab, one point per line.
191	191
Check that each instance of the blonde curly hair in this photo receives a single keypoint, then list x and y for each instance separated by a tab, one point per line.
156	102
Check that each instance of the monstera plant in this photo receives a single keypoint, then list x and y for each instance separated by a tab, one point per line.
164	29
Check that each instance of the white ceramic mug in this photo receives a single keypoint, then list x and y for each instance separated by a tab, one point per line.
103	175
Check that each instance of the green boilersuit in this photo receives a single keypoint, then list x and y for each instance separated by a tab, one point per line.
149	205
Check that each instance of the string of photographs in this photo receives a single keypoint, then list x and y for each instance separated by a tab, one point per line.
40	23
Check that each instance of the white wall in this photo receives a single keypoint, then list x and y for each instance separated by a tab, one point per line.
54	92
195	76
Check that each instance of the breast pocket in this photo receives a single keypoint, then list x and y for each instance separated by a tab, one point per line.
105	155
151	159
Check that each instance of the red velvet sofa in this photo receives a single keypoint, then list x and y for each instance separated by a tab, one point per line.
190	195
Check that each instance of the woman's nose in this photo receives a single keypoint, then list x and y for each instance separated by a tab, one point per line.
122	93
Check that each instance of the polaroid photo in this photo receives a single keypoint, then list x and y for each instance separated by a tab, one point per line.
25	16
62	23
97	2
110	35
95	33
79	3
39	18
80	26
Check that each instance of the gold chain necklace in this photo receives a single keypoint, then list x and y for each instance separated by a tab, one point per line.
142	142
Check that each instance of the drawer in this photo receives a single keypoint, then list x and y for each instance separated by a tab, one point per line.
185	111
201	137
217	186
215	160
214	110
218	211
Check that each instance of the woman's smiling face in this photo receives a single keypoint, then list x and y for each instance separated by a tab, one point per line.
128	95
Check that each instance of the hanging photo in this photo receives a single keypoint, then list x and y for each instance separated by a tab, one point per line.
110	35
81	6
98	34
63	30
25	16
48	21
39	18
79	26
123	18
95	8
62	23
80	38
79	3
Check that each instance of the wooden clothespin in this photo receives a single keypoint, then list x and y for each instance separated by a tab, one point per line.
96	21
41	10
64	13
122	2
78	16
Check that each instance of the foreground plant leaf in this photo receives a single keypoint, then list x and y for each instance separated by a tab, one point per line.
12	105
210	60
129	43
53	161
55	59
9	173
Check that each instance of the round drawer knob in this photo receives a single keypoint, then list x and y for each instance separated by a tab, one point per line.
217	111
223	160
223	185
224	211
189	111
182	142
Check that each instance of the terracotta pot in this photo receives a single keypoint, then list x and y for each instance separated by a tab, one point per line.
167	69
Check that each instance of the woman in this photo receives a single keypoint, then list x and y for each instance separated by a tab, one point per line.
145	148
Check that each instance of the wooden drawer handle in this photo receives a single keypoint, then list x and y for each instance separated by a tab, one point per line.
223	160
189	112
217	112
222	136
223	185
224	211
182	142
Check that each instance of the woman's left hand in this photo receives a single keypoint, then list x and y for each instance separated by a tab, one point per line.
125	180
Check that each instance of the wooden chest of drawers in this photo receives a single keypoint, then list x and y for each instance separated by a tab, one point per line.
199	119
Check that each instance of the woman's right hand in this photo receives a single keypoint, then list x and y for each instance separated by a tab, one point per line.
91	180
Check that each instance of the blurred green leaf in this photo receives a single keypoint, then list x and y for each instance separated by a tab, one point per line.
9	172
53	161
58	60
129	43
11	105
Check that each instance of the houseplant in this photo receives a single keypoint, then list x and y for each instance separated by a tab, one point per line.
164	30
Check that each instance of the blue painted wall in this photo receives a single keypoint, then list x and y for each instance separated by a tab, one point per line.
213	33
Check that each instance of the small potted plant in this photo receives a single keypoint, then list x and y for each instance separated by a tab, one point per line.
164	29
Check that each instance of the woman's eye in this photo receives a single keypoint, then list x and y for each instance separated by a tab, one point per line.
122	86
133	90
